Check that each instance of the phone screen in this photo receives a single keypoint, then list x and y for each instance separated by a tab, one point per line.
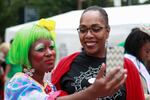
114	57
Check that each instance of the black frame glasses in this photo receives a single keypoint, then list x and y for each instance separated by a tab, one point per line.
93	29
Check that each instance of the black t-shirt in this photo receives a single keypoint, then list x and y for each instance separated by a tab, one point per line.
82	69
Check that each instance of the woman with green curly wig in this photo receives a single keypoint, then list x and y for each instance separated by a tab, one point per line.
34	49
23	41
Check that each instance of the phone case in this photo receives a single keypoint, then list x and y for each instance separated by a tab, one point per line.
114	57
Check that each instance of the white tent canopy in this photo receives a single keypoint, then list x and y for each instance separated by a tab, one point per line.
121	20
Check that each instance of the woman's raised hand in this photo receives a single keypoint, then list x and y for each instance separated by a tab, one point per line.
106	85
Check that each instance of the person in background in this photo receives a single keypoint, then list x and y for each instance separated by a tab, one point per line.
4	48
11	69
147	51
137	47
34	49
1	83
147	64
76	72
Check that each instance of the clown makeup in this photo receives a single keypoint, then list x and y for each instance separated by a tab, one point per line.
41	46
42	56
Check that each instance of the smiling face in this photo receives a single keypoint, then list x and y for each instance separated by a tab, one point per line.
42	56
93	40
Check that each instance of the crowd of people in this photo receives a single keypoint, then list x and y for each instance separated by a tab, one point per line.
81	75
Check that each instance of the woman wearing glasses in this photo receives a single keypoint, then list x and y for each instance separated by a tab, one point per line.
78	71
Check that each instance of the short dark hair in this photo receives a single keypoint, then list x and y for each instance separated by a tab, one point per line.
101	11
135	41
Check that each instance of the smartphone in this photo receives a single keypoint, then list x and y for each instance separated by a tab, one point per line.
114	57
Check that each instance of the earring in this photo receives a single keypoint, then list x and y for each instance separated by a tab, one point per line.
29	71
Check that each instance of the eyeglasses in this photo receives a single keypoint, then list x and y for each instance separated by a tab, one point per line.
93	29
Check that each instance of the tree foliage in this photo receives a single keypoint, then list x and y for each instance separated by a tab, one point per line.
11	10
